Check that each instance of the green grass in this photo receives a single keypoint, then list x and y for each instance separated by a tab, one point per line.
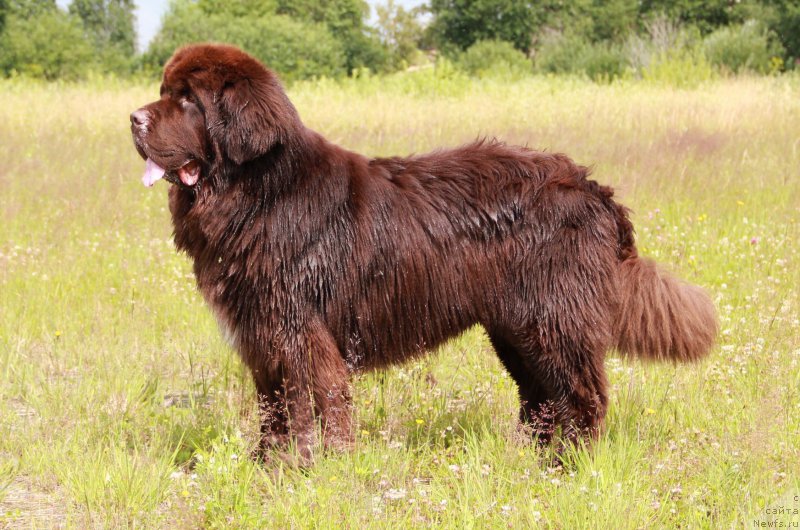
121	406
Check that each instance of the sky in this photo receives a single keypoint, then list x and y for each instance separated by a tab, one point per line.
149	12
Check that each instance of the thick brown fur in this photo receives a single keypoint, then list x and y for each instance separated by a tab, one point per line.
661	317
319	262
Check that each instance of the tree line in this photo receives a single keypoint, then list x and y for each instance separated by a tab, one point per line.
311	38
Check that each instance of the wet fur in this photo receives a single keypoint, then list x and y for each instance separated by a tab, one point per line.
319	262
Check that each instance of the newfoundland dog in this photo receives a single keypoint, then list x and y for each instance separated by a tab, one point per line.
319	262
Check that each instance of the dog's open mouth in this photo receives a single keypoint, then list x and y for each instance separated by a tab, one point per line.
186	174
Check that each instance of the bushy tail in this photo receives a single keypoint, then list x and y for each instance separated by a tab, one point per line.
662	317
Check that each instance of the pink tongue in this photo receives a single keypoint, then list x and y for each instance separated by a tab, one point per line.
152	172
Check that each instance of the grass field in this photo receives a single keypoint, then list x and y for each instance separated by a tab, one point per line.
121	406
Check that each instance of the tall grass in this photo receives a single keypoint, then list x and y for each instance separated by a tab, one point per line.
120	405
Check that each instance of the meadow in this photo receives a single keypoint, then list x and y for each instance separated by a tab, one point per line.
122	407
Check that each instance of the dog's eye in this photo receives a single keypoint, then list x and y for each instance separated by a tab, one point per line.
185	101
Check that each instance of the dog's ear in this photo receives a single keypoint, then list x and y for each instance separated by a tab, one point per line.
248	116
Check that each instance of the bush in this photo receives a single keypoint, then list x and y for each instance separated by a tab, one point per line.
557	53
602	62
442	79
494	58
748	47
363	50
669	54
572	54
49	45
787	27
679	67
296	50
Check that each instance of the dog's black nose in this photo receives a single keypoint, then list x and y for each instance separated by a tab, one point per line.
139	117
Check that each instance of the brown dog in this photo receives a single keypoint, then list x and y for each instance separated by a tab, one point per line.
319	262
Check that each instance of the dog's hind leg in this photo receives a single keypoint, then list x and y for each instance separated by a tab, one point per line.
558	387
573	299
535	411
553	329
576	379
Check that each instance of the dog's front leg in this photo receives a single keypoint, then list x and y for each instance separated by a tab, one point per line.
303	386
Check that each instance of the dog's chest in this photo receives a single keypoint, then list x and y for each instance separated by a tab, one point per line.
212	287
226	324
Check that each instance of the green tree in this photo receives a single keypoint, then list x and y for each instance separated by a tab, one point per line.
239	8
48	44
109	25
458	24
400	30
612	19
787	27
293	48
338	14
706	15
30	8
345	20
591	20
3	13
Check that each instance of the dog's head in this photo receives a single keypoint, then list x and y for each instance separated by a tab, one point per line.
218	106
